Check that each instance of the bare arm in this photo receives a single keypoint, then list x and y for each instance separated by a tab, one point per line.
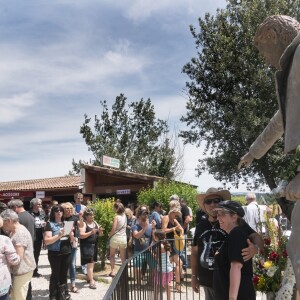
255	242
187	220
138	234
80	222
49	239
114	226
83	234
178	227
194	267
235	279
20	250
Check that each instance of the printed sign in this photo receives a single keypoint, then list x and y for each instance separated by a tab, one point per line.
123	192
110	162
40	194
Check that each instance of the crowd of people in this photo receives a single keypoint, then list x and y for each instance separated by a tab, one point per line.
224	242
58	228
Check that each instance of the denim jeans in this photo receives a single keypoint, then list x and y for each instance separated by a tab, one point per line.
72	268
5	297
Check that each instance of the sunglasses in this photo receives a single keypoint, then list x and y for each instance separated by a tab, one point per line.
210	201
144	213
58	210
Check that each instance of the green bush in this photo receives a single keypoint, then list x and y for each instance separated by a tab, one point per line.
162	192
104	215
240	199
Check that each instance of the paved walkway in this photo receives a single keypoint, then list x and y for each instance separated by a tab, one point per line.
41	285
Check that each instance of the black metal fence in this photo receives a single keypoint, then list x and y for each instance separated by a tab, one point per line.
140	278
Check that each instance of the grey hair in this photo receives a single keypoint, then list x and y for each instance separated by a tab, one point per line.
251	196
9	214
35	201
15	203
174	197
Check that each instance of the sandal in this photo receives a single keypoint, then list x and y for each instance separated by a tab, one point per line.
92	286
74	289
111	275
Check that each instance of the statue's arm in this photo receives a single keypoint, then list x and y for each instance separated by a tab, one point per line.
264	141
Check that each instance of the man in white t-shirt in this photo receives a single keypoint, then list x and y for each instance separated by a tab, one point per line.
255	214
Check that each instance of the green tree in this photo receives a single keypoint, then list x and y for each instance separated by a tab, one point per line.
134	135
232	93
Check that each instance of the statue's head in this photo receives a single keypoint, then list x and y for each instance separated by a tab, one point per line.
274	35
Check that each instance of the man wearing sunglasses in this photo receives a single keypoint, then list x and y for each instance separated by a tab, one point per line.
209	238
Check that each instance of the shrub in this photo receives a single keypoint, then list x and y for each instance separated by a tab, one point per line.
104	214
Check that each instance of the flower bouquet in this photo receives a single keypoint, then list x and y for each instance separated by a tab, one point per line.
269	266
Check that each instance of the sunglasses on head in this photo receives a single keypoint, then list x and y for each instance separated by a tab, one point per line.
210	201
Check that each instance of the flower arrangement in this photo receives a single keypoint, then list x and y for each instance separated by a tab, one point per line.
269	266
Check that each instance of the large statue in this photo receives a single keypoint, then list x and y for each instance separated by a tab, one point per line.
278	39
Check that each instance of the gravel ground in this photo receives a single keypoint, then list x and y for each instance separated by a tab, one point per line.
40	286
41	292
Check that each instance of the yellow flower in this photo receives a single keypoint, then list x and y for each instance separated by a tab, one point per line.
267	264
261	283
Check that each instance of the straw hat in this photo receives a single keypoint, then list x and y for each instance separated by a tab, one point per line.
224	194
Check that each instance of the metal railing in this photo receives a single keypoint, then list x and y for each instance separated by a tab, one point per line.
140	278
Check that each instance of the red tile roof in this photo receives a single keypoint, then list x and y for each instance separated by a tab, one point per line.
41	184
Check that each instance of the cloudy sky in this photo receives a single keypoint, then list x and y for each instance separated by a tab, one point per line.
59	58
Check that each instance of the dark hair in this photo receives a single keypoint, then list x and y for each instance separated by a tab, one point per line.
155	204
3	207
52	212
119	207
161	235
240	221
141	209
88	212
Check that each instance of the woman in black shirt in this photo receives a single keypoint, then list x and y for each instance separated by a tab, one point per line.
232	278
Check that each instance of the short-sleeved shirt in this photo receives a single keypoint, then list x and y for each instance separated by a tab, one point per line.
27	220
65	245
156	217
209	237
22	237
230	251
145	240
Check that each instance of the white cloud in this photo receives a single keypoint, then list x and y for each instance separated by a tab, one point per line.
140	11
15	107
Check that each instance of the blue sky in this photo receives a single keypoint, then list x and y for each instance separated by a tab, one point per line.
60	58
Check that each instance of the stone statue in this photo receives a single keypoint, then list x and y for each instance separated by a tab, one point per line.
278	39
